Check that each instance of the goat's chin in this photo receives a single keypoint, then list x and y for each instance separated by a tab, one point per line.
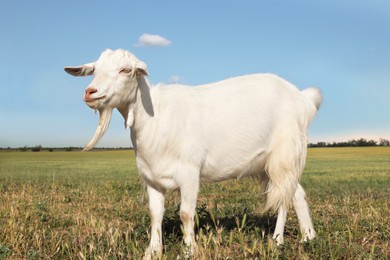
104	121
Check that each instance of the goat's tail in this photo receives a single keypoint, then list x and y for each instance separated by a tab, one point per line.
314	96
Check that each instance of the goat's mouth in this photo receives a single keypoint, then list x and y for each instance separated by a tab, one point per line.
92	100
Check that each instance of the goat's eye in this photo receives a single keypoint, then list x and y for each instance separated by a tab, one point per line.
125	70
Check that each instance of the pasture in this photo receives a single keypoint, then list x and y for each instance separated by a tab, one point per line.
76	205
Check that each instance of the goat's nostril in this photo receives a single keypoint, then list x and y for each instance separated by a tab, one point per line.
90	91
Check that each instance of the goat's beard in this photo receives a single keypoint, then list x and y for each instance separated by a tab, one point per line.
104	121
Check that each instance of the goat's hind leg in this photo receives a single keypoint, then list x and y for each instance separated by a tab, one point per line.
303	213
280	223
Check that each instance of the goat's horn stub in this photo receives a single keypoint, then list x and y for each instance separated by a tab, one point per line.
104	121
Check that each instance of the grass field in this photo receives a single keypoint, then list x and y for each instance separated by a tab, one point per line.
74	205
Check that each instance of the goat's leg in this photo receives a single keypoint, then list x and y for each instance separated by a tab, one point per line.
189	195
303	213
156	208
280	223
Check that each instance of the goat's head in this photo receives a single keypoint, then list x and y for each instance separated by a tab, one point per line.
112	87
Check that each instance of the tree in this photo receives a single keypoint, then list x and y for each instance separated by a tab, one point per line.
384	142
37	148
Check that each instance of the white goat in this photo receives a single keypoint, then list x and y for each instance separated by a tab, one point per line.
253	125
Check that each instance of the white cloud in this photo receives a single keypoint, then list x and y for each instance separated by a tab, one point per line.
152	40
175	79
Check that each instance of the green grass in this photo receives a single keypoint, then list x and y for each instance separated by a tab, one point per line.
74	205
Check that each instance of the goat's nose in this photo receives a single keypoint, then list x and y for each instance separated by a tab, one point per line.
89	91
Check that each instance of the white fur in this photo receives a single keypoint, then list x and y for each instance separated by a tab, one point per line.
252	125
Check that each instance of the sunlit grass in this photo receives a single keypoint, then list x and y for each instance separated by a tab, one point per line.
75	205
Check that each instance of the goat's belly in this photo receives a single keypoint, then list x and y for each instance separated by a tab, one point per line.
231	168
218	175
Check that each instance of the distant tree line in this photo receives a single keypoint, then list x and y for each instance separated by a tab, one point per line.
353	143
39	148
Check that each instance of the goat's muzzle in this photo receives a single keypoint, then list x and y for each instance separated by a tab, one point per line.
91	101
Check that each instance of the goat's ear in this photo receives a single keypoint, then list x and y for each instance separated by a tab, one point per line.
141	68
142	72
80	71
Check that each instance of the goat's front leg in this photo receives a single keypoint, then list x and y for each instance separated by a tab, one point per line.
156	208
189	189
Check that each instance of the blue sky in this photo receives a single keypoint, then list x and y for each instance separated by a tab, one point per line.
342	47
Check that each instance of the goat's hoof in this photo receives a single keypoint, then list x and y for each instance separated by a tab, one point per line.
308	235
151	253
279	239
189	251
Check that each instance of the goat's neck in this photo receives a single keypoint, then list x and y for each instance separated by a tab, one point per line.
139	103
